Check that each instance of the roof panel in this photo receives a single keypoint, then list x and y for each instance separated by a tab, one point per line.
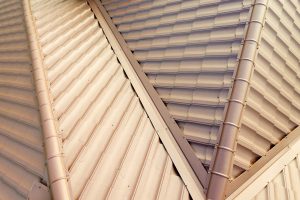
22	162
111	148
272	110
189	50
284	185
279	178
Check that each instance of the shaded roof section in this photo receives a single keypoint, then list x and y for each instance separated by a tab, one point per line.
285	184
189	51
170	27
22	161
110	146
173	47
273	108
279	179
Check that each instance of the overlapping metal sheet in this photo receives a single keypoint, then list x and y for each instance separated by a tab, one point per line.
279	179
273	108
285	185
22	162
111	149
189	51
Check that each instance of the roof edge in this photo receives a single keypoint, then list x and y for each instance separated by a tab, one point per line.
57	173
164	124
220	171
258	167
269	171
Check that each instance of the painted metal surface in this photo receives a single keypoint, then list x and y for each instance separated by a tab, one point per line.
188	165
189	50
279	179
273	108
22	161
57	172
285	185
221	168
110	146
168	43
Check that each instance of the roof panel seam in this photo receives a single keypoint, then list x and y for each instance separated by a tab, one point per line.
57	172
219	173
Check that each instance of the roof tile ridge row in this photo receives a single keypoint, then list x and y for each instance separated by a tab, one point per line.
222	163
164	124
57	172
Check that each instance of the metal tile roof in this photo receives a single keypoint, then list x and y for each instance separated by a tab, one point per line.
273	108
285	185
110	147
279	179
22	161
189	51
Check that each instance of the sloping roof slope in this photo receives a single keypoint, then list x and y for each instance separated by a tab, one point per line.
279	179
273	108
189	50
285	185
182	47
22	161
110	147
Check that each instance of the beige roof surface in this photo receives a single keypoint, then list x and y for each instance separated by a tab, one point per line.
110	147
285	185
183	48
189	51
22	162
65	84
273	102
279	179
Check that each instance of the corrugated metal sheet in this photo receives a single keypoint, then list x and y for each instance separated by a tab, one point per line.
273	108
277	180
111	148
189	51
285	185
22	162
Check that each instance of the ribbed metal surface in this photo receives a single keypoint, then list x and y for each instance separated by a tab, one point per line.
189	51
110	146
273	108
285	185
22	161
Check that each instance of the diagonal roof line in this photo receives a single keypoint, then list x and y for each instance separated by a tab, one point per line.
223	161
278	158
245	179
188	165
57	173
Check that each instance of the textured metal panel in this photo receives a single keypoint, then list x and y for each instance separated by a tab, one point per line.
273	108
285	185
261	174
110	146
189	50
22	162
